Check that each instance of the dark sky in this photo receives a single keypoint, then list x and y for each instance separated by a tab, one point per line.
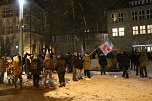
69	16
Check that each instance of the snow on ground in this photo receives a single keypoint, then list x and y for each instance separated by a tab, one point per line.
110	87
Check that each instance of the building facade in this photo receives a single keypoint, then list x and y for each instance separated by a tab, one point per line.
86	42
130	24
34	27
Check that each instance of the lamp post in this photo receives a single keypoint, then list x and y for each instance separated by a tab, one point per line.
84	39
21	2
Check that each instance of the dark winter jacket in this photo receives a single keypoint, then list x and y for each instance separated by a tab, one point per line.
35	67
48	64
102	61
2	65
125	60
60	65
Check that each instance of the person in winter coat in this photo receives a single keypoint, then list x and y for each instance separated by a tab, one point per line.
60	68
79	68
36	70
2	69
86	65
125	64
143	64
28	66
137	63
119	60
48	66
69	62
10	71
17	71
103	63
75	66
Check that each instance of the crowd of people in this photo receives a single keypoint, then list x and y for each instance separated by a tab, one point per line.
36	65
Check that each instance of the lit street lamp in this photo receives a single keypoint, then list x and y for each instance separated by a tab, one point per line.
21	2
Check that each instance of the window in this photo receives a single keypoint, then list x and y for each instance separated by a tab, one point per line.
149	14
149	29
8	30
135	30
101	36
24	13
17	28
25	28
142	30
121	17
147	1
114	17
141	14
8	13
114	32
121	31
134	15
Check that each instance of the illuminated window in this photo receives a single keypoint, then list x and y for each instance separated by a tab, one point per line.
149	14
114	32
141	14
142	30
149	49
121	31
134	15
149	28
121	17
114	17
135	30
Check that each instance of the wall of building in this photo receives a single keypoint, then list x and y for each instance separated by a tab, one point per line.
33	27
126	42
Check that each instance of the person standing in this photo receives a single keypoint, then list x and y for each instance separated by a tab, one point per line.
35	70
2	69
79	68
87	65
143	64
137	63
69	62
119	60
48	66
28	66
75	66
10	71
103	63
17	70
60	68
125	64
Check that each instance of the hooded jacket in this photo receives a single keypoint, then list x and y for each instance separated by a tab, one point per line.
16	66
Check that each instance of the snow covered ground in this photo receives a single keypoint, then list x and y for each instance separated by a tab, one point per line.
110	87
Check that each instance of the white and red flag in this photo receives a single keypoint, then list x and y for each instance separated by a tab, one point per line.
107	47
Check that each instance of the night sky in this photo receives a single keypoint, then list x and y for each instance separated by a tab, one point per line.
69	16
